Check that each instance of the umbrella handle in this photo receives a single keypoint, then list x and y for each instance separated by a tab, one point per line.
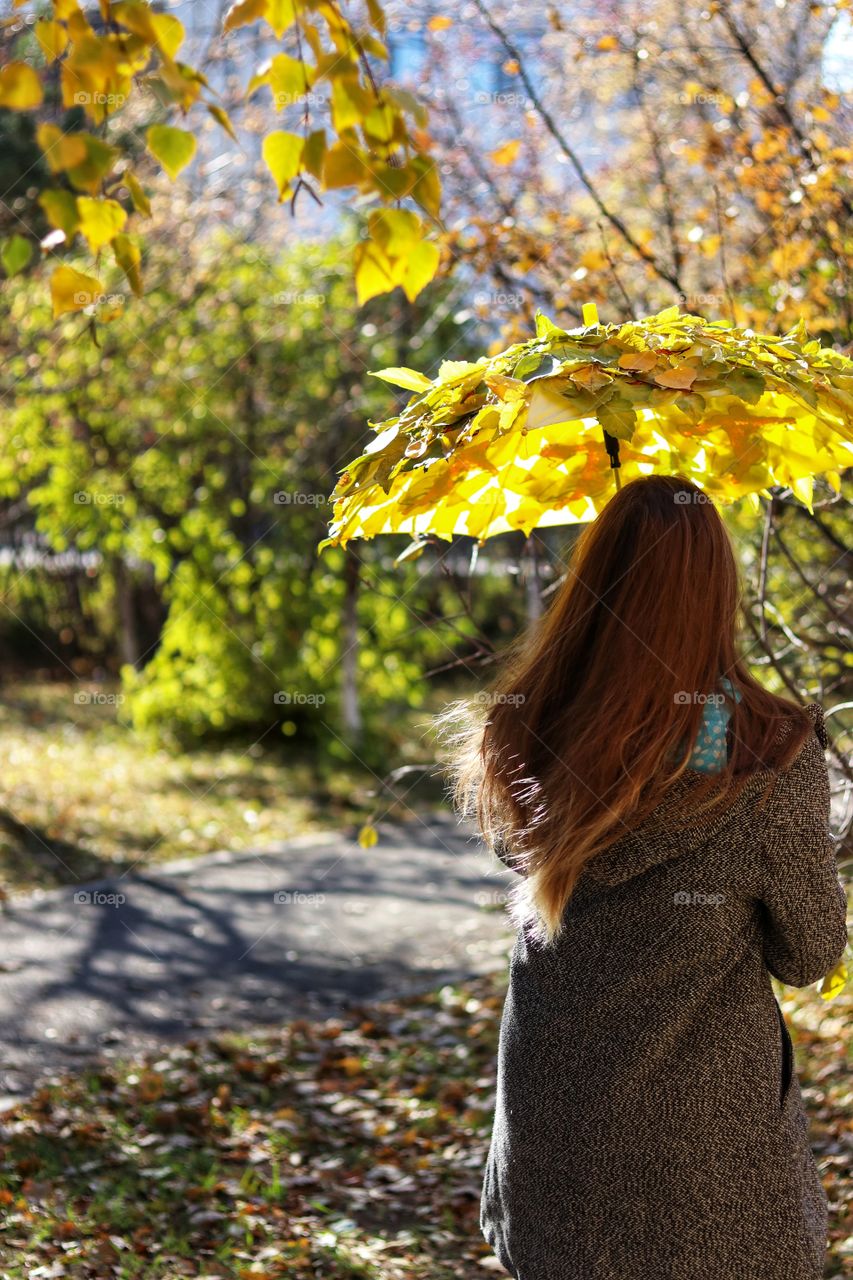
611	444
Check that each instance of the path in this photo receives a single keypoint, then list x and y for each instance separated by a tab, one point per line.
238	940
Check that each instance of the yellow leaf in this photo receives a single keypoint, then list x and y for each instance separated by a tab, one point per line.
638	361
72	291
128	257
400	377
20	87
804	489
368	836
169	32
60	209
421	265
681	377
100	220
100	157
589	313
141	203
52	37
343	166
507	153
396	230
242	13
607	43
280	15
351	101
61	150
174	148
289	79
834	983
373	273
283	155
439	23
222	117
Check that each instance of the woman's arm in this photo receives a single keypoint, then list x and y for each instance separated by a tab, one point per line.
805	926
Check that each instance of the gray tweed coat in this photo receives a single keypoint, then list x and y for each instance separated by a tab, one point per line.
649	1123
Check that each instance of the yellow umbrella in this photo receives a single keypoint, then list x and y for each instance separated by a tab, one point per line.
520	440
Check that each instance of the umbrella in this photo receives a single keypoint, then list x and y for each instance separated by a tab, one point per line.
540	433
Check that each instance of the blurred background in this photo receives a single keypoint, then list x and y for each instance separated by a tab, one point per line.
223	833
180	671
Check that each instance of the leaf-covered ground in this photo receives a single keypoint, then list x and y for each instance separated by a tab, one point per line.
350	1148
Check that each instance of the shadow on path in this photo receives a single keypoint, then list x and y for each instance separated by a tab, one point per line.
231	941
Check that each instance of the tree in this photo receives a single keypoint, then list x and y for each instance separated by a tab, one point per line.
118	68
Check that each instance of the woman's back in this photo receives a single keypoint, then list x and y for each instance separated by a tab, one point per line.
648	1118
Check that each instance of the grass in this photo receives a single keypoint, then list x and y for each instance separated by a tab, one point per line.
344	1148
82	796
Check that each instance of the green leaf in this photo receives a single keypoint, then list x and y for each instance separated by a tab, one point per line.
60	208
174	148
546	328
16	254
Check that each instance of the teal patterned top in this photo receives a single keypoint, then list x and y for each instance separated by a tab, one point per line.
709	754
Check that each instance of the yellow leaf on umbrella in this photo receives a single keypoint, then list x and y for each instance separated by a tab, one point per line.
681	377
400	377
507	153
638	361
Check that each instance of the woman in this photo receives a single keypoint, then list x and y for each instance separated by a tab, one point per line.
649	1121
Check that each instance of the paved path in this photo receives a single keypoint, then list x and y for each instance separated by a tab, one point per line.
235	940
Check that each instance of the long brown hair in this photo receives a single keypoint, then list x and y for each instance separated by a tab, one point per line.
597	709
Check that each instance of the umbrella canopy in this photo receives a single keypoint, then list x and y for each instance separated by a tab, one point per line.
520	440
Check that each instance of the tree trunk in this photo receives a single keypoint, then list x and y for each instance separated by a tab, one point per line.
129	646
531	580
351	711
